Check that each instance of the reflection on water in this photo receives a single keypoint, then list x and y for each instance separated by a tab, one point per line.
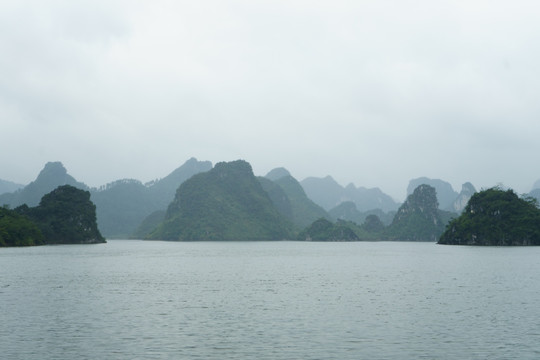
269	300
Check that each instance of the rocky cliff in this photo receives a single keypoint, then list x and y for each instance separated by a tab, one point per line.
419	218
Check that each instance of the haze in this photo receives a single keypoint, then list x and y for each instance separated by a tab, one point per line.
370	92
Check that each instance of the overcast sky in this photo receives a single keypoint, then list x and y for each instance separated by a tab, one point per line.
370	92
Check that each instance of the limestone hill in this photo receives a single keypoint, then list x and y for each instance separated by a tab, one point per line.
225	203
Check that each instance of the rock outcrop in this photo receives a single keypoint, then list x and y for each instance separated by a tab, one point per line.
419	218
467	191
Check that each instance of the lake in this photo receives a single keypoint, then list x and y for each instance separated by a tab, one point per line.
269	300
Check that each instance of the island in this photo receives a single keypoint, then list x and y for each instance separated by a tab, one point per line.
64	216
495	217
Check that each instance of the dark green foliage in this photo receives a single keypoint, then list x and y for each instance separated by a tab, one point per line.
418	219
17	230
495	217
65	216
324	230
225	203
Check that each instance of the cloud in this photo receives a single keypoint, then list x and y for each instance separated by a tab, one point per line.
371	92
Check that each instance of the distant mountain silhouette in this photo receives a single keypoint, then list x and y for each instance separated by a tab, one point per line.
9	186
277	173
419	218
124	204
327	193
279	198
54	174
121	205
445	193
348	211
467	191
535	193
304	210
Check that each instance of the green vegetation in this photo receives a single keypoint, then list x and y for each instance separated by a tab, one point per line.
372	224
149	224
419	218
64	216
123	205
225	203
18	230
495	217
324	230
281	201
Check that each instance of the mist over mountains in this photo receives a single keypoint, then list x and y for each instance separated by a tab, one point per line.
127	206
122	205
329	194
54	174
9	186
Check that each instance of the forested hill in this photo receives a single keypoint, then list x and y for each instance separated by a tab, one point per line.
225	203
64	216
495	217
419	218
124	204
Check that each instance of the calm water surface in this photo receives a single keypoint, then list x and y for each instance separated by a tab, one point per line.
269	300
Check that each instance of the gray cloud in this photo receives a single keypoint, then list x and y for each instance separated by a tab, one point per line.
374	93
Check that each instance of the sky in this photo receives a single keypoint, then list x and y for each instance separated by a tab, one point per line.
374	93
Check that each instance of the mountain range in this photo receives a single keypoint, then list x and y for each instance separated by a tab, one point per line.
303	210
126	207
121	205
327	193
124	204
